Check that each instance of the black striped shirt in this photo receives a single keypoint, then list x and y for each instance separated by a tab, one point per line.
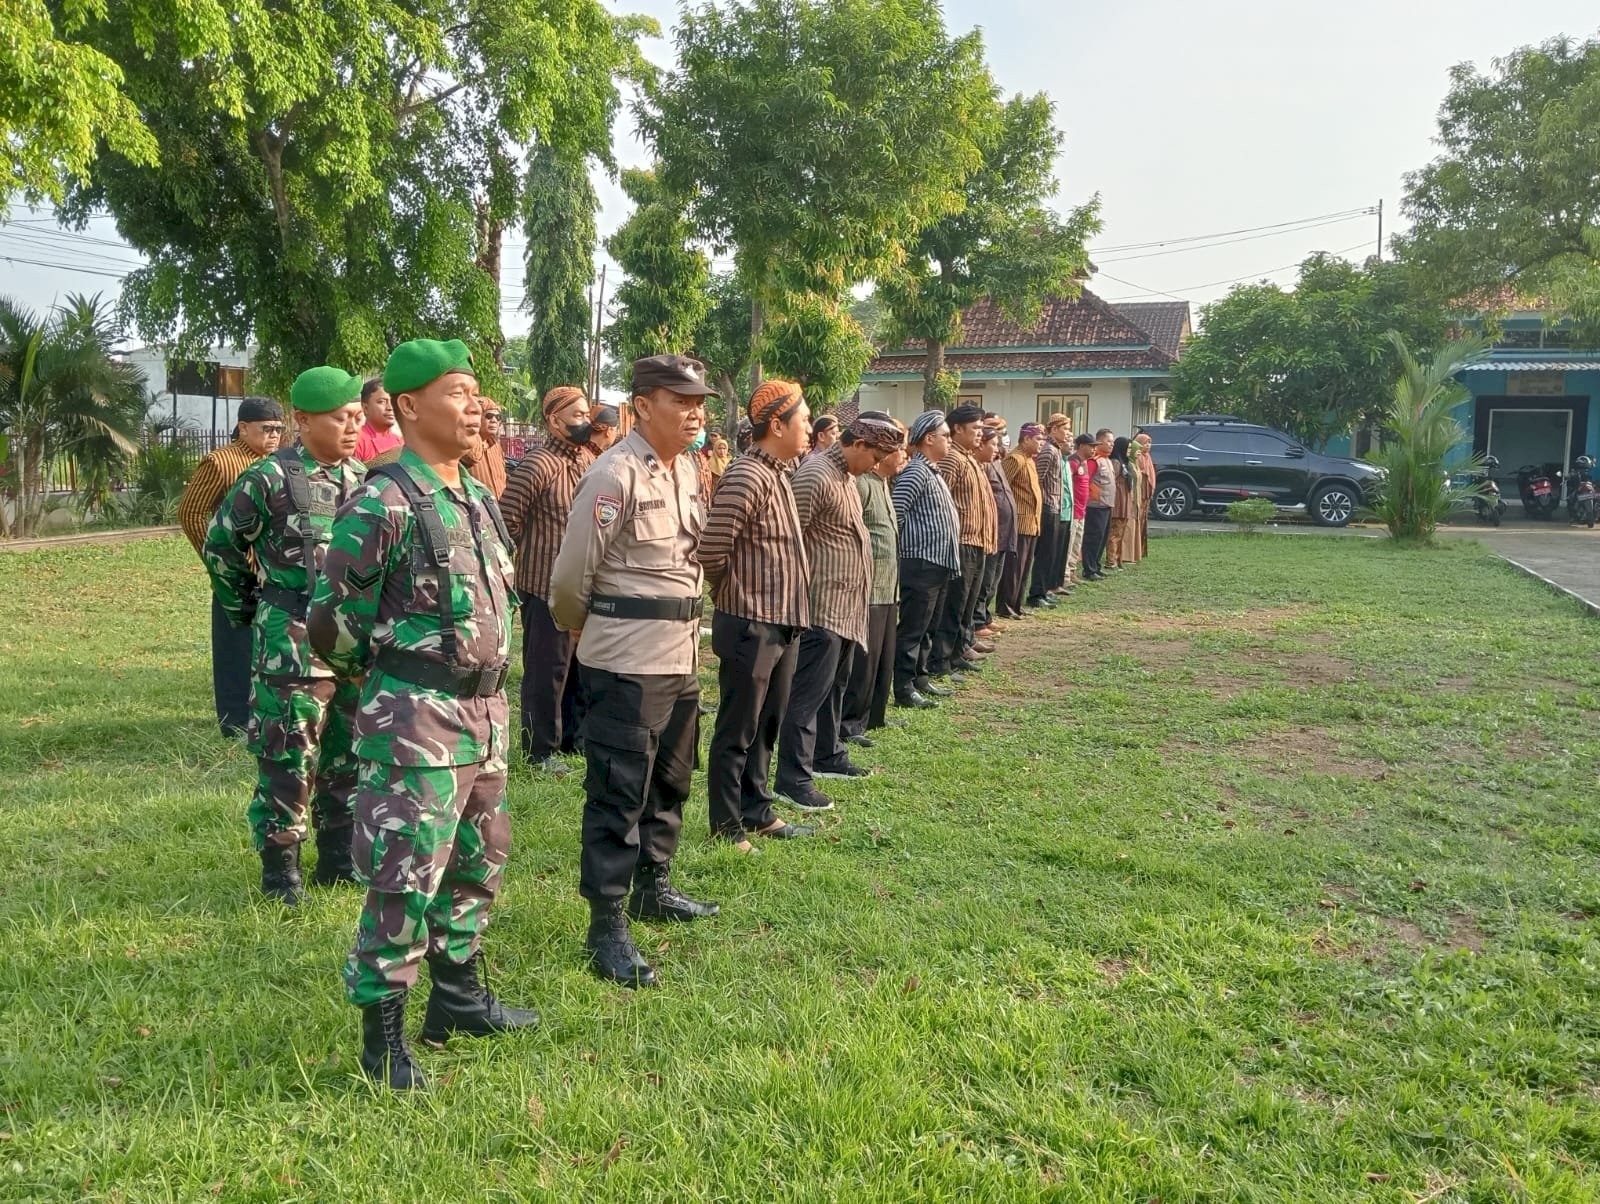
535	505
926	513
751	548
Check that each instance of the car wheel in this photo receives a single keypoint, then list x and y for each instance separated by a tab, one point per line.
1334	506
1173	499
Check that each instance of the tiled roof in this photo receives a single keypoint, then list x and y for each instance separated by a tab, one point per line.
1166	322
1588	364
1115	359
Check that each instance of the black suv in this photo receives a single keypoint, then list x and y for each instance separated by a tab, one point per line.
1209	460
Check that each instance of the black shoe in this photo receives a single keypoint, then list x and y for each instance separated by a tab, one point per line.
612	954
844	773
915	700
966	666
809	799
333	858
786	831
280	874
385	1055
861	741
460	1002
655	898
933	691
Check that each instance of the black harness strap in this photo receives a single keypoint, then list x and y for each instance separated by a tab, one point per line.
436	546
294	477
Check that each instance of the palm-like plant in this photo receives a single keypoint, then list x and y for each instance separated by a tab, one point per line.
1421	436
62	394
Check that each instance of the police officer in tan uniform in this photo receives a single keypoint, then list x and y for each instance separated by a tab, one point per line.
627	580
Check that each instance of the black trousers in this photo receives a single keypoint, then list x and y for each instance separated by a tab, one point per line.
1058	573
1019	566
922	590
866	697
1048	552
640	738
993	567
546	672
230	671
755	670
952	630
809	738
1096	529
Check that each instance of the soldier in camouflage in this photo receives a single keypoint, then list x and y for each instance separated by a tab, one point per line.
262	551
416	600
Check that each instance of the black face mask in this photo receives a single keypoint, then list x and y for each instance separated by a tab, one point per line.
579	433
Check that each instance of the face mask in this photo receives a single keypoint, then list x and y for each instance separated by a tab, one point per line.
699	440
579	433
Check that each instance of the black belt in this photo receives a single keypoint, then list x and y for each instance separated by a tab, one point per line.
430	674
646	608
291	600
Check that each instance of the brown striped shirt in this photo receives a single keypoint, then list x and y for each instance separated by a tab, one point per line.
980	523
838	544
212	479
751	548
487	464
536	503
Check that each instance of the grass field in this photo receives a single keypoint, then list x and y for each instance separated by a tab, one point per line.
1292	895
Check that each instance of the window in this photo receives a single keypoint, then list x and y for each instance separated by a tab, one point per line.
970	399
1074	405
1265	445
1151	409
1221	441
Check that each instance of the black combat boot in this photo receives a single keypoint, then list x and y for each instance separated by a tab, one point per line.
385	1056
655	898
460	1002
333	858
611	950
280	873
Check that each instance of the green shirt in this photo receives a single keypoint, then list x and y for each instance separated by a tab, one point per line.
877	511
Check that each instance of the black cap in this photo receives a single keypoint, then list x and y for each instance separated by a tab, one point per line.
259	409
604	416
679	373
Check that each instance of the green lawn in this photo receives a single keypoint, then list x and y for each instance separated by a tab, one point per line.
1293	895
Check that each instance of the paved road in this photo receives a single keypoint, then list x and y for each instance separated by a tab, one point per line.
68	541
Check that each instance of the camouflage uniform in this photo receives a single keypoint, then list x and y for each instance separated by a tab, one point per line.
300	716
432	829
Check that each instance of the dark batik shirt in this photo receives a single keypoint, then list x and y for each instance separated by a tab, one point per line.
536	504
926	515
752	549
837	544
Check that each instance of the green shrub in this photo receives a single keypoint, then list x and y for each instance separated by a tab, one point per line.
1251	512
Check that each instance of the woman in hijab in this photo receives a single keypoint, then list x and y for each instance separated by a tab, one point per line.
1120	509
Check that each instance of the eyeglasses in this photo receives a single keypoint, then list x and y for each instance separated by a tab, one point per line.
272	428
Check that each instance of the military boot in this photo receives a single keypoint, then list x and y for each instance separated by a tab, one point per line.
333	858
280	873
612	953
461	1002
655	898
385	1055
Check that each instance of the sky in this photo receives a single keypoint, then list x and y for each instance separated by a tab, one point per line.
1187	119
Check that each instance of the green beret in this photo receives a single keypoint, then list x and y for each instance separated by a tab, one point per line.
423	361
318	390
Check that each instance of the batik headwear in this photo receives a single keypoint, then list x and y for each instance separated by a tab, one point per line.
924	424
772	399
877	431
560	397
1030	428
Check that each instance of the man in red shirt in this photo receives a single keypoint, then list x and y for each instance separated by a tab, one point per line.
1080	467
380	434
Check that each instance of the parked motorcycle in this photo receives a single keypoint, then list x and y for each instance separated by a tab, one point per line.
1489	506
1539	486
1583	499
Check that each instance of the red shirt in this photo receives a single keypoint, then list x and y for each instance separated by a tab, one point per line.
1081	471
370	444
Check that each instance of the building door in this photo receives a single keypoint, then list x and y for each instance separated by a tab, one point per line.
1519	437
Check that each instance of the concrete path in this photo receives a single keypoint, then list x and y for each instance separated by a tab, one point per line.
89	537
1565	557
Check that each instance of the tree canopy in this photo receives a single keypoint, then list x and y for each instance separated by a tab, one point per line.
663	295
558	224
1513	200
1316	361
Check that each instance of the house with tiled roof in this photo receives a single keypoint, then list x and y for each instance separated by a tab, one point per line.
1103	365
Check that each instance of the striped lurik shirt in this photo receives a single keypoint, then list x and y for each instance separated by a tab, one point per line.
926	514
973	498
751	548
212	479
1048	462
535	505
837	544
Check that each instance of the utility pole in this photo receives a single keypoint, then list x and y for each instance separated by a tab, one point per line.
1380	229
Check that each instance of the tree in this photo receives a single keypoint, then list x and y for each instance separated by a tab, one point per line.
1514	199
1002	243
722	342
816	342
354	196
1317	361
814	137
558	222
1422	437
663	295
62	395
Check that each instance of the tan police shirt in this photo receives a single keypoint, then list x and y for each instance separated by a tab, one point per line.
633	532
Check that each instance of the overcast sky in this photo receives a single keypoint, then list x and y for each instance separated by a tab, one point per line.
1188	119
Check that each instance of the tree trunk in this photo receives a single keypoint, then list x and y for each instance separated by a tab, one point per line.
932	369
30	498
730	407
758	322
490	233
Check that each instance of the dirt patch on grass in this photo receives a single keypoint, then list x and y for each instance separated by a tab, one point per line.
1300	750
1464	933
1113	970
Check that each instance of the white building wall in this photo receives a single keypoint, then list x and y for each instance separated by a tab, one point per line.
192	410
1104	401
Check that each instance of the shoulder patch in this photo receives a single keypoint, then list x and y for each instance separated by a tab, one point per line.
606	509
363	580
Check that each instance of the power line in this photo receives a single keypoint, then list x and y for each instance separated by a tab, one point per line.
1189	288
1167	242
1228	242
67	267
